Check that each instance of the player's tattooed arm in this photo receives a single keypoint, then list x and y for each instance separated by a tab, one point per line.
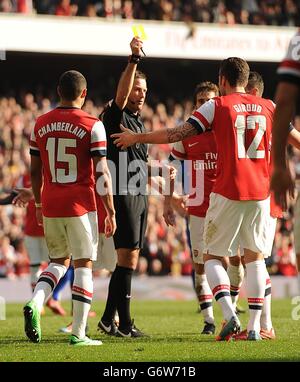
181	132
128	137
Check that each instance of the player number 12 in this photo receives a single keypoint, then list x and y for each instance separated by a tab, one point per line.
244	123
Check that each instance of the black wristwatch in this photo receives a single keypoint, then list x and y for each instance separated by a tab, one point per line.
134	58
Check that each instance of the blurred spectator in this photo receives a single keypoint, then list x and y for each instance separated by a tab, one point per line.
91	10
257	12
128	9
6	6
285	259
24	6
142	267
65	8
7	258
291	12
112	9
21	259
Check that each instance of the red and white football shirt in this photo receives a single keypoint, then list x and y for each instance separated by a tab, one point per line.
201	150
289	69
66	139
31	227
242	124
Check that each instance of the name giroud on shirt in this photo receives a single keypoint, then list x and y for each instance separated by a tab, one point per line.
61	126
242	108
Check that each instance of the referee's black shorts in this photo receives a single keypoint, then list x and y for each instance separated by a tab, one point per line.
131	217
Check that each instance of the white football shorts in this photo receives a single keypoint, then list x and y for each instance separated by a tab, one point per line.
196	226
37	249
75	237
233	223
107	255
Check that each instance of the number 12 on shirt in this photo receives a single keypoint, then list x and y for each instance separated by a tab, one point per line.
244	123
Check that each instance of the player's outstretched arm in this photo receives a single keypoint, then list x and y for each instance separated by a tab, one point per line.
127	77
8	199
105	190
22	196
168	135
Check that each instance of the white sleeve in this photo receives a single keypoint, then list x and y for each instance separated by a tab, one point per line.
34	150
290	66
98	140
203	117
178	151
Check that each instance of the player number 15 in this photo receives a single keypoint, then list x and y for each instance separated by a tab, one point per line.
61	175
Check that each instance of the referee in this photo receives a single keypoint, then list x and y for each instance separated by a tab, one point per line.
131	204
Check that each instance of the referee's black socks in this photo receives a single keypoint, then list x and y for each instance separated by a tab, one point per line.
119	295
111	302
124	276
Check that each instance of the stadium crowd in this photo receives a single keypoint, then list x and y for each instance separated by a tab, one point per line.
166	250
256	12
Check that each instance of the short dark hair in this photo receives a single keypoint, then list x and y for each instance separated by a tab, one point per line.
235	70
255	80
71	84
138	74
205	86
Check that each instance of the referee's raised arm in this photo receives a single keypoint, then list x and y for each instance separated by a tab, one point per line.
127	77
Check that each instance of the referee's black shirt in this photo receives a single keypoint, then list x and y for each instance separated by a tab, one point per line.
137	172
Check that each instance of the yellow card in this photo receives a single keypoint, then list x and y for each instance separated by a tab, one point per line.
139	31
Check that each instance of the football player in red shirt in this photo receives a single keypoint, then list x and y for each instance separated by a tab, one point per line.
255	87
68	151
239	206
201	152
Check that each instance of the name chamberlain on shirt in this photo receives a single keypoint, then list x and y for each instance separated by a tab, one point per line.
62	126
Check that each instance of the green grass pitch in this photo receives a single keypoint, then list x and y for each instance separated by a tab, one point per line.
173	326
